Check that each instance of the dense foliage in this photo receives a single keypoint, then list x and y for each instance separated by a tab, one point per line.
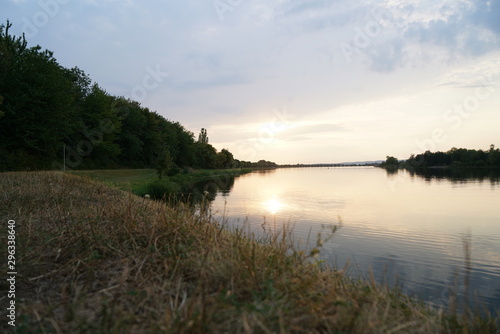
48	111
457	157
390	163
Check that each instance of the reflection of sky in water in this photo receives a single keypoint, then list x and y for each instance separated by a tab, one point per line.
408	229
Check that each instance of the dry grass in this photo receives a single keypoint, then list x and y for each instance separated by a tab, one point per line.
93	259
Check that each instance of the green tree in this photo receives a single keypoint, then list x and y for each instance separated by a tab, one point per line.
494	156
133	125
185	146
157	135
1	101
39	103
206	156
225	159
203	136
165	166
45	106
391	161
263	163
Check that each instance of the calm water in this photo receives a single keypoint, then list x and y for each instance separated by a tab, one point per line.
412	230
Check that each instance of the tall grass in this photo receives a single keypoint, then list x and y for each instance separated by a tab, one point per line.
94	259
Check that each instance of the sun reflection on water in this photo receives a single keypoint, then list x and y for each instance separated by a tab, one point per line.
273	205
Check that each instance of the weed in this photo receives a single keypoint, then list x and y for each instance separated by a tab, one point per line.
93	258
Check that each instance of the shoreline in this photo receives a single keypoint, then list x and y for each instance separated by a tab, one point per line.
143	182
93	258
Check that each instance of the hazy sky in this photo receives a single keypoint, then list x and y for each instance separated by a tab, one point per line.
290	80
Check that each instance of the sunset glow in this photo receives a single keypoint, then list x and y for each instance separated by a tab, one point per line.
294	81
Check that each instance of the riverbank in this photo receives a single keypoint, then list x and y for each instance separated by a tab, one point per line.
145	181
93	258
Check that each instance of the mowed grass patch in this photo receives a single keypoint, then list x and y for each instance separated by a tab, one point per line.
146	181
124	179
95	259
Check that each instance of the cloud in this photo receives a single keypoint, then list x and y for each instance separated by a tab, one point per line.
386	36
458	35
212	82
472	76
309	131
457	28
486	14
411	60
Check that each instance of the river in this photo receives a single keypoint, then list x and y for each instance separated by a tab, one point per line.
435	235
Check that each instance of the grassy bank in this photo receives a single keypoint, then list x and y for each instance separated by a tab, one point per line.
94	259
145	181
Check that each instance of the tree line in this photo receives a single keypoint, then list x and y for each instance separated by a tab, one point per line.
455	157
53	117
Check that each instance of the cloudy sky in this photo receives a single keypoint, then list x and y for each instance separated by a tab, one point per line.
292	81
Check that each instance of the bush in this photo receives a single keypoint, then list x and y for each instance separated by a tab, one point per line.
187	170
173	170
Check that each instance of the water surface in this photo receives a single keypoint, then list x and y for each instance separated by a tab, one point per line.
434	234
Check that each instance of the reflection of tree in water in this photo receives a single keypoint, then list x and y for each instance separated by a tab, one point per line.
264	171
226	187
458	174
391	171
206	190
